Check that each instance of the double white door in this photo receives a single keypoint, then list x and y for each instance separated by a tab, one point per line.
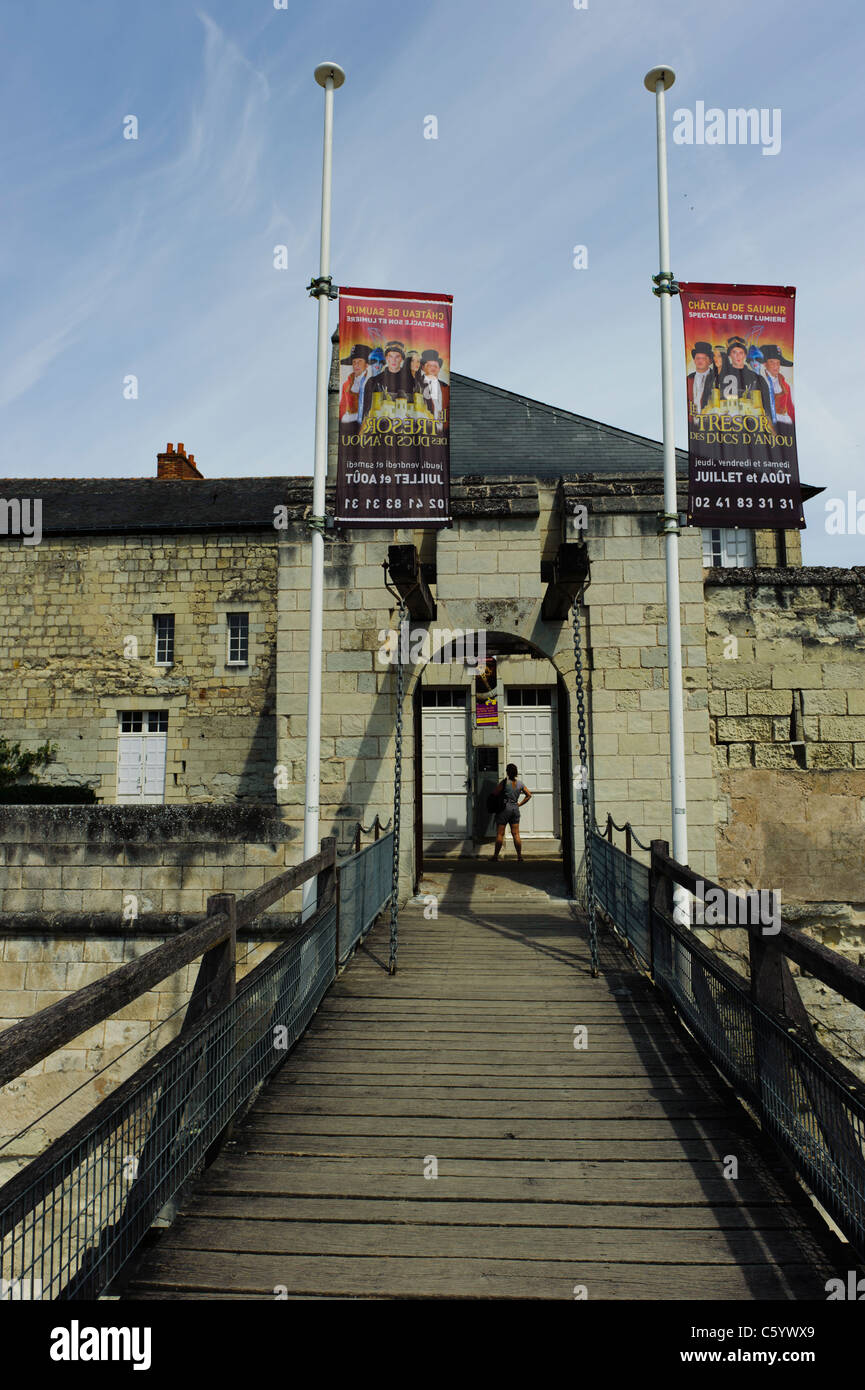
141	750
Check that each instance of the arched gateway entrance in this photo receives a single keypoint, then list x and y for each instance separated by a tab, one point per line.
477	708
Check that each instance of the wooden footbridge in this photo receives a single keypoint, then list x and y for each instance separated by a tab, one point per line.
489	1122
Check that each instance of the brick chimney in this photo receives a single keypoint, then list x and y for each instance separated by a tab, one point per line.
174	463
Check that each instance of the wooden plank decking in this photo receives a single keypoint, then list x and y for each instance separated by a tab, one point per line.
557	1167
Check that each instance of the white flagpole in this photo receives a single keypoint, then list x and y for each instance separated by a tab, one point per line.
329	76
658	81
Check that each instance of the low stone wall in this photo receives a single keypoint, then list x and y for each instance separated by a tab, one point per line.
102	867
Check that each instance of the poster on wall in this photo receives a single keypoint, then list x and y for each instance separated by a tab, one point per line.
743	468
393	463
486	695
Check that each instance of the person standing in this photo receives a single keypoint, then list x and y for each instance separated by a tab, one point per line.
511	788
358	360
779	386
738	380
701	379
436	393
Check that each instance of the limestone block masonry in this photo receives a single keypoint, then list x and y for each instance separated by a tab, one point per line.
78	647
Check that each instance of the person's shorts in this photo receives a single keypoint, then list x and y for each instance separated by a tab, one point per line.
509	816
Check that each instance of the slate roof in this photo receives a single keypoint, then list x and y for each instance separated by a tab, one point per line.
132	505
495	432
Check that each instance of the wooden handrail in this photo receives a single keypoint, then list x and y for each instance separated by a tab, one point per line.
36	1037
826	965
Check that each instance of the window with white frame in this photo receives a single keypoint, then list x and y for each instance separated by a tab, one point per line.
163	627
727	547
238	639
143	721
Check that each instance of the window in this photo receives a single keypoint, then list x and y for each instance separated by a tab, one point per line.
729	548
163	626
238	639
144	721
528	695
444	696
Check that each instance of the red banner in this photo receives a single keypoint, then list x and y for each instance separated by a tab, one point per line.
393	466
743	467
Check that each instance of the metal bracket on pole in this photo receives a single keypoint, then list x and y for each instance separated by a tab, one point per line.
317	523
664	283
664	529
323	284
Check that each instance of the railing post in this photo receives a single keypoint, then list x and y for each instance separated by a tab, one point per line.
627	837
221	960
377	826
772	984
660	893
327	892
609	830
219	971
356	839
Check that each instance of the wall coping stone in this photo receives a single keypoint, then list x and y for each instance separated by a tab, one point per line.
214	821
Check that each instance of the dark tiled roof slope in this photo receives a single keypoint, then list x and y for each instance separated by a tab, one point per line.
495	432
128	505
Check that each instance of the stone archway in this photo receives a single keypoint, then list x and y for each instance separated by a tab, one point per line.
524	665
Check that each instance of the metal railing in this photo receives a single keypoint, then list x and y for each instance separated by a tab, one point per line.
758	1031
364	891
622	889
72	1218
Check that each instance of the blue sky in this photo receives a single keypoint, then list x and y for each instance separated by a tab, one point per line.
154	256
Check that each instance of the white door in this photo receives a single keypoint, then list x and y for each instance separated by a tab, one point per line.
445	765
141	749
529	744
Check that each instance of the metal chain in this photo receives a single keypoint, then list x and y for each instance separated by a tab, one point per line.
584	787
397	787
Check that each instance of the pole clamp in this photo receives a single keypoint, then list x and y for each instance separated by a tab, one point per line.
664	529
323	284
664	283
318	523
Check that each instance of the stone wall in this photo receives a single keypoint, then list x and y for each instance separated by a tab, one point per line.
76	612
488	578
787	705
627	634
103	867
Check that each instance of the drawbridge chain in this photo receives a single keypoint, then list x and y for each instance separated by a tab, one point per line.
397	787
584	785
